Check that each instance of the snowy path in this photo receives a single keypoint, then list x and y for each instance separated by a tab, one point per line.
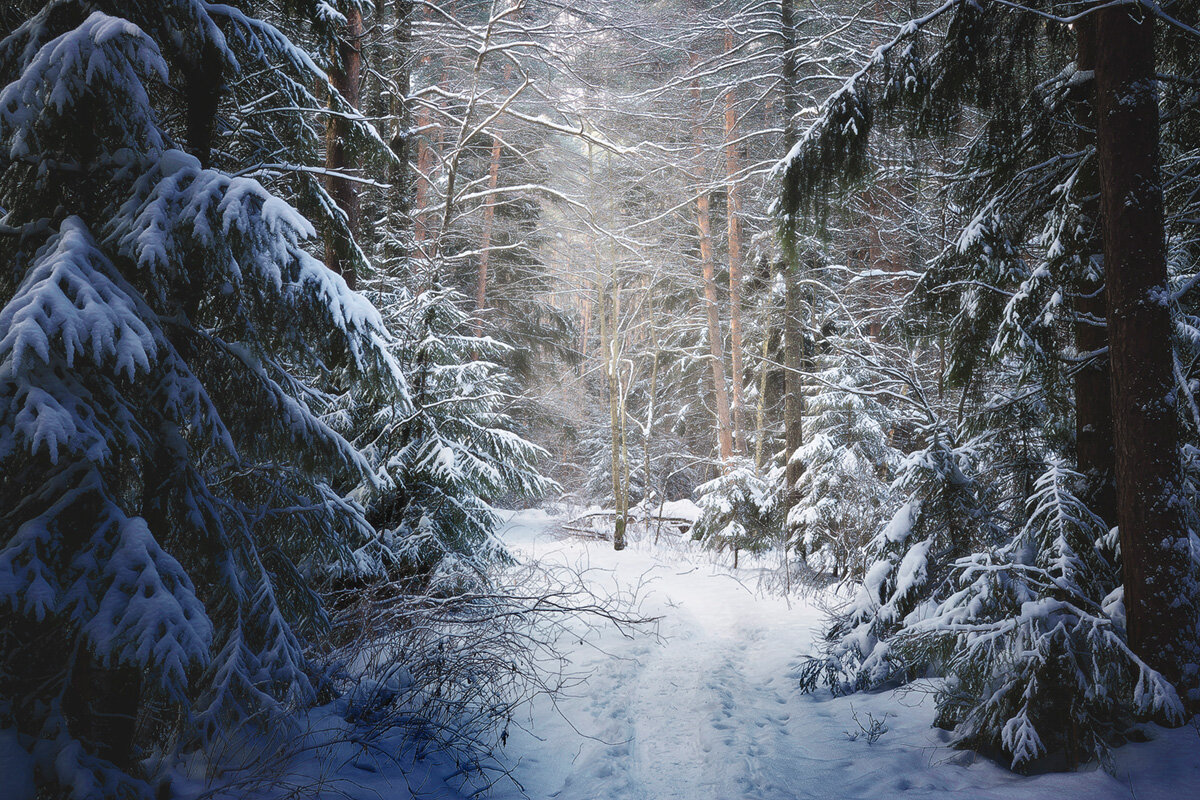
708	710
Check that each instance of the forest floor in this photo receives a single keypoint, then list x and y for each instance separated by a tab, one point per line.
700	704
703	705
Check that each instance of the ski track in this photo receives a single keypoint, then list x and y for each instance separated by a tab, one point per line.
708	709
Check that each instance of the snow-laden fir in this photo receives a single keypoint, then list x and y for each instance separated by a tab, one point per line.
852	348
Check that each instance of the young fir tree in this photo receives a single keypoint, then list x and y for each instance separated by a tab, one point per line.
909	564
166	344
740	510
1036	665
843	492
445	458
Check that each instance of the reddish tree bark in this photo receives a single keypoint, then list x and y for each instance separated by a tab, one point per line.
733	228
716	347
793	403
1159	592
421	198
485	239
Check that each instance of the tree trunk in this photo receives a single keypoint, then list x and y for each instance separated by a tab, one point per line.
609	343
650	411
585	331
421	195
622	398
102	705
202	89
425	160
761	410
715	344
793	405
716	349
485	240
489	218
793	400
733	219
1156	564
346	77
1093	393
399	205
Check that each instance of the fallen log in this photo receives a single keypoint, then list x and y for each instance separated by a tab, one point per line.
580	524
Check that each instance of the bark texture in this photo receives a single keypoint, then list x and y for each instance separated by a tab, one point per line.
793	403
733	227
485	239
716	349
1159	595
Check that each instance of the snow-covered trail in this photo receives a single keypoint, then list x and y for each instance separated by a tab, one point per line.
708	710
699	711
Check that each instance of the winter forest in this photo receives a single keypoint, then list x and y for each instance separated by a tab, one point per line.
590	399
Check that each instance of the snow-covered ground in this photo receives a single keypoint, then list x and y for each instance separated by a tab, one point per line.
700	706
708	711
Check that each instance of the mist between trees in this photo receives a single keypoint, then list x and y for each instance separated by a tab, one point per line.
297	295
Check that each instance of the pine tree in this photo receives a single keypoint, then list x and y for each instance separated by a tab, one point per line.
1160	572
739	510
1020	292
909	564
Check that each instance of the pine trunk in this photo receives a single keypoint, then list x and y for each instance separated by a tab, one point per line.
609	343
733	218
793	400
716	348
715	344
793	404
485	240
651	409
399	177
346	77
202	88
424	167
761	410
421	195
1156	564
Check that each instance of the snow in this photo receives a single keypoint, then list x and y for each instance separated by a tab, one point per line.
703	706
901	524
681	509
709	709
912	569
103	54
148	612
67	297
16	765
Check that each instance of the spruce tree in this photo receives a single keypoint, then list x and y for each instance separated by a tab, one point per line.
1038	661
1158	566
1020	291
449	455
167	343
